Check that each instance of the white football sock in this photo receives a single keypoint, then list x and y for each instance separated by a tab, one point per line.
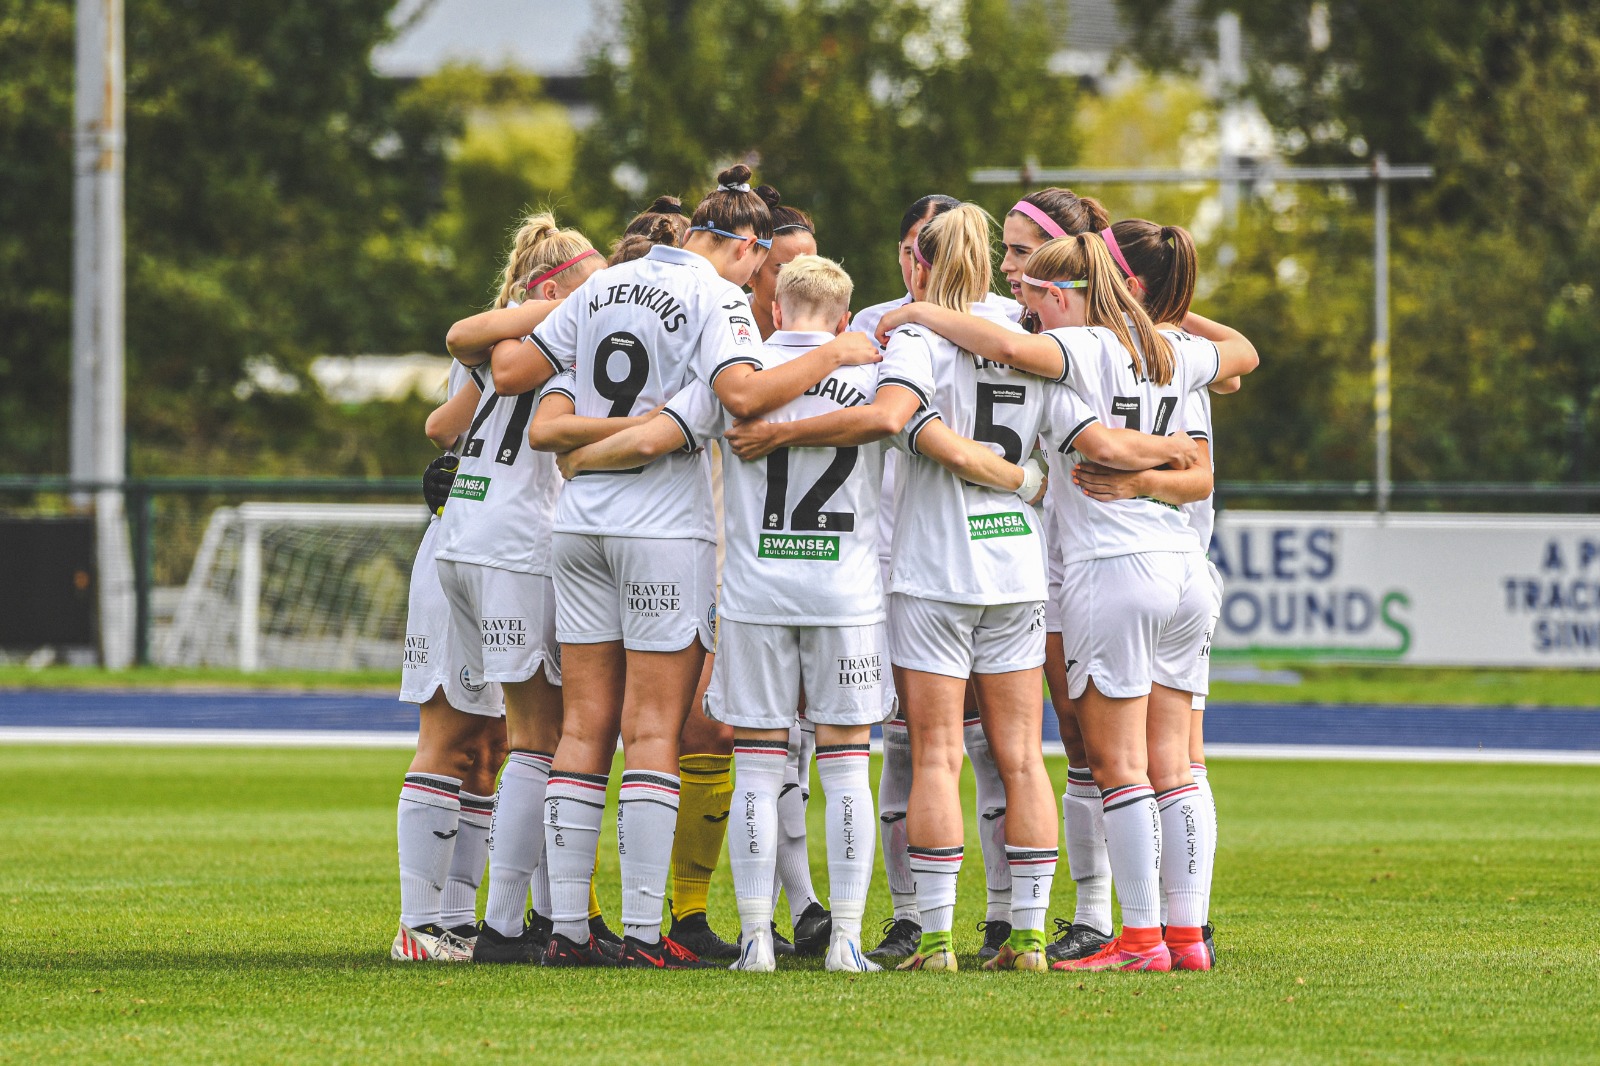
1082	812
1185	871
1033	871
574	804
894	792
936	871
847	792
758	769
1133	844
426	824
1203	779
647	820
991	797
794	857
458	903
516	846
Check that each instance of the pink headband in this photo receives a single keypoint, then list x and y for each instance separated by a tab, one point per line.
1044	221
1116	252
553	271
916	250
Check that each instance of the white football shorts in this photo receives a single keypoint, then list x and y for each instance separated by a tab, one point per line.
761	670
431	661
1055	566
504	622
1199	702
1137	619
651	594
962	639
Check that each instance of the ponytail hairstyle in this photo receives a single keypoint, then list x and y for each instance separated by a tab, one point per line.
631	246
540	251
925	208
1071	213
1163	265
1110	304
954	249
785	219
733	206
663	221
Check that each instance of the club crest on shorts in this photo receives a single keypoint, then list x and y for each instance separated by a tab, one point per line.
466	682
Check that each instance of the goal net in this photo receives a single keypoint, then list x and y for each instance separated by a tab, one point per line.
297	586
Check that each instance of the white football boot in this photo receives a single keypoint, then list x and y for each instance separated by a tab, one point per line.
756	955
844	956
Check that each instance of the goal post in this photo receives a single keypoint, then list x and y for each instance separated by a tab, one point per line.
312	586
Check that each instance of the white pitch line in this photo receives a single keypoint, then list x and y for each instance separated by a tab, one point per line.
211	738
1345	752
334	738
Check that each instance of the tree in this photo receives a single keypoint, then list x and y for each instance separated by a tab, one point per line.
851	110
278	199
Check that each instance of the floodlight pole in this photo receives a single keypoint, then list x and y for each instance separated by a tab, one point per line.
97	311
1380	173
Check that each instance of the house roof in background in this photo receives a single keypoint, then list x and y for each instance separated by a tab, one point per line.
551	37
547	37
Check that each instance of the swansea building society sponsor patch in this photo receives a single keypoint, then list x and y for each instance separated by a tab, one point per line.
789	546
1004	524
469	487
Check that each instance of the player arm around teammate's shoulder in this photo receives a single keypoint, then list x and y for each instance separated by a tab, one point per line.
1173	486
687	421
472	339
1031	353
452	418
974	462
557	427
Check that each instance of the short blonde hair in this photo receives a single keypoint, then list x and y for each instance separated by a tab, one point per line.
811	284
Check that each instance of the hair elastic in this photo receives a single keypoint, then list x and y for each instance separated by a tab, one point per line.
765	242
743	186
1116	253
553	271
1044	221
1079	283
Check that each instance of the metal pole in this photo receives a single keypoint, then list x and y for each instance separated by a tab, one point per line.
98	447
1380	328
250	595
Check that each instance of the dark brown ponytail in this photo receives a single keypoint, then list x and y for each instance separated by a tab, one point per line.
1164	260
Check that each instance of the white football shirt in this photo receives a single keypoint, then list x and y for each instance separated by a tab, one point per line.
954	541
636	334
866	321
802	523
504	498
1202	514
1101	371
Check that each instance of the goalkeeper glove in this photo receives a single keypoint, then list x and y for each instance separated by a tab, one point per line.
437	481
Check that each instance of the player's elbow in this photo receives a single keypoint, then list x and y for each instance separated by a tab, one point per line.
544	437
1227	386
1102	448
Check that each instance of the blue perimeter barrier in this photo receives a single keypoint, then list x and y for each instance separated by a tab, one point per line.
1342	725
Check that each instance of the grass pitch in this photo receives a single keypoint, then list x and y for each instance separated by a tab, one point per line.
237	906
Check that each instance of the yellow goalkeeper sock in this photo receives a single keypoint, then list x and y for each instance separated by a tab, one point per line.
594	901
704	792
